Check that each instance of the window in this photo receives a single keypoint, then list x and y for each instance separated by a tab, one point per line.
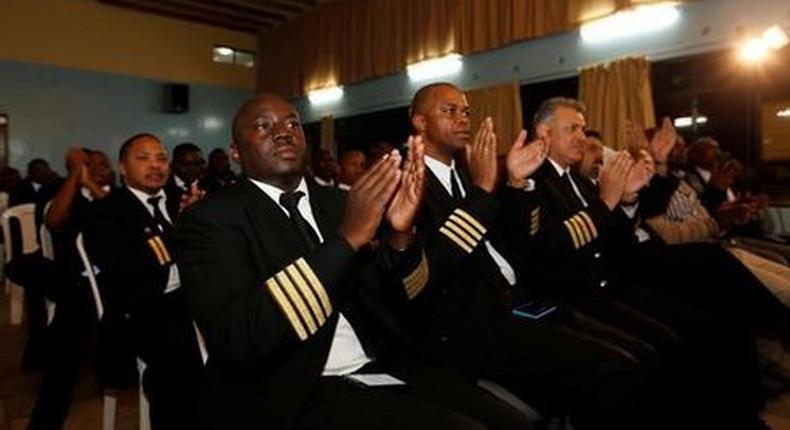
228	55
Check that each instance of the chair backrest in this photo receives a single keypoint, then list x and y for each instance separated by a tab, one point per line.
91	274
26	216
3	201
45	238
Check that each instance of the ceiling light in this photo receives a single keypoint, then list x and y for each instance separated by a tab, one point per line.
325	95
754	50
775	37
687	121
784	113
434	68
223	50
643	19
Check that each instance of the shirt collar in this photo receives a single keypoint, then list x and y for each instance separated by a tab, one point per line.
180	183
440	170
274	193
704	174
87	193
560	170
143	196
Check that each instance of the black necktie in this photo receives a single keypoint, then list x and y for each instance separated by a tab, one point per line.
455	186
290	201
162	222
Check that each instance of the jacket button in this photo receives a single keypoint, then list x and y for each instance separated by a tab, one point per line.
602	283
597	255
445	291
443	339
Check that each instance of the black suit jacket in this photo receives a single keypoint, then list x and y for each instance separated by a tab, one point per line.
569	250
133	259
266	306
466	292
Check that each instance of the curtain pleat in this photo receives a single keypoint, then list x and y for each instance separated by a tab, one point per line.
503	104
617	92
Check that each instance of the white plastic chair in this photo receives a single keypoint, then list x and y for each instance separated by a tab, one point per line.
26	216
110	400
3	207
48	252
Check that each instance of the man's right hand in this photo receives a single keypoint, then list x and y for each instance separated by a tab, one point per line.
368	199
76	161
524	159
613	179
481	157
723	177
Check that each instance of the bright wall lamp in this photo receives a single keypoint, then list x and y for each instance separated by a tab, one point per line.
435	67
325	95
632	22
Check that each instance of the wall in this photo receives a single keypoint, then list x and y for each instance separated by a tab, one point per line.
51	108
705	25
88	35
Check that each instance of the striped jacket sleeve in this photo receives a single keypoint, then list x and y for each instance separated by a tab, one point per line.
248	312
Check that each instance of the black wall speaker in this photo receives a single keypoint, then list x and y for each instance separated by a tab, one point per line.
176	98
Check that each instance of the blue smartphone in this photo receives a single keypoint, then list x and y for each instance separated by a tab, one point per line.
534	309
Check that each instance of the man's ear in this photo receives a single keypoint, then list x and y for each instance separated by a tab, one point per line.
419	122
122	169
542	130
234	153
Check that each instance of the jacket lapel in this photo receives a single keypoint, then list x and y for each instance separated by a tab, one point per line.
272	229
559	192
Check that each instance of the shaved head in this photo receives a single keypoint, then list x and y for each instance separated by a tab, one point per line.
268	141
424	97
249	107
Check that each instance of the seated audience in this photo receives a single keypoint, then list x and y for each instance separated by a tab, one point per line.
462	316
712	176
588	251
297	319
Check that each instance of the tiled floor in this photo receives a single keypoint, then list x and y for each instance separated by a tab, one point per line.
18	391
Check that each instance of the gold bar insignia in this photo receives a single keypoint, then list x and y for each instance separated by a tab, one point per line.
286	307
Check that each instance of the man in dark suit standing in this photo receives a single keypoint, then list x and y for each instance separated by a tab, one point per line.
462	316
128	237
296	315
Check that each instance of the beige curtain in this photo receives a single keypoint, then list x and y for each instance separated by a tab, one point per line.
503	104
346	41
614	93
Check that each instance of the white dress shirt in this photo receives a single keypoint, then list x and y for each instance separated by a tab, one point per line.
444	173
346	354
174	279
